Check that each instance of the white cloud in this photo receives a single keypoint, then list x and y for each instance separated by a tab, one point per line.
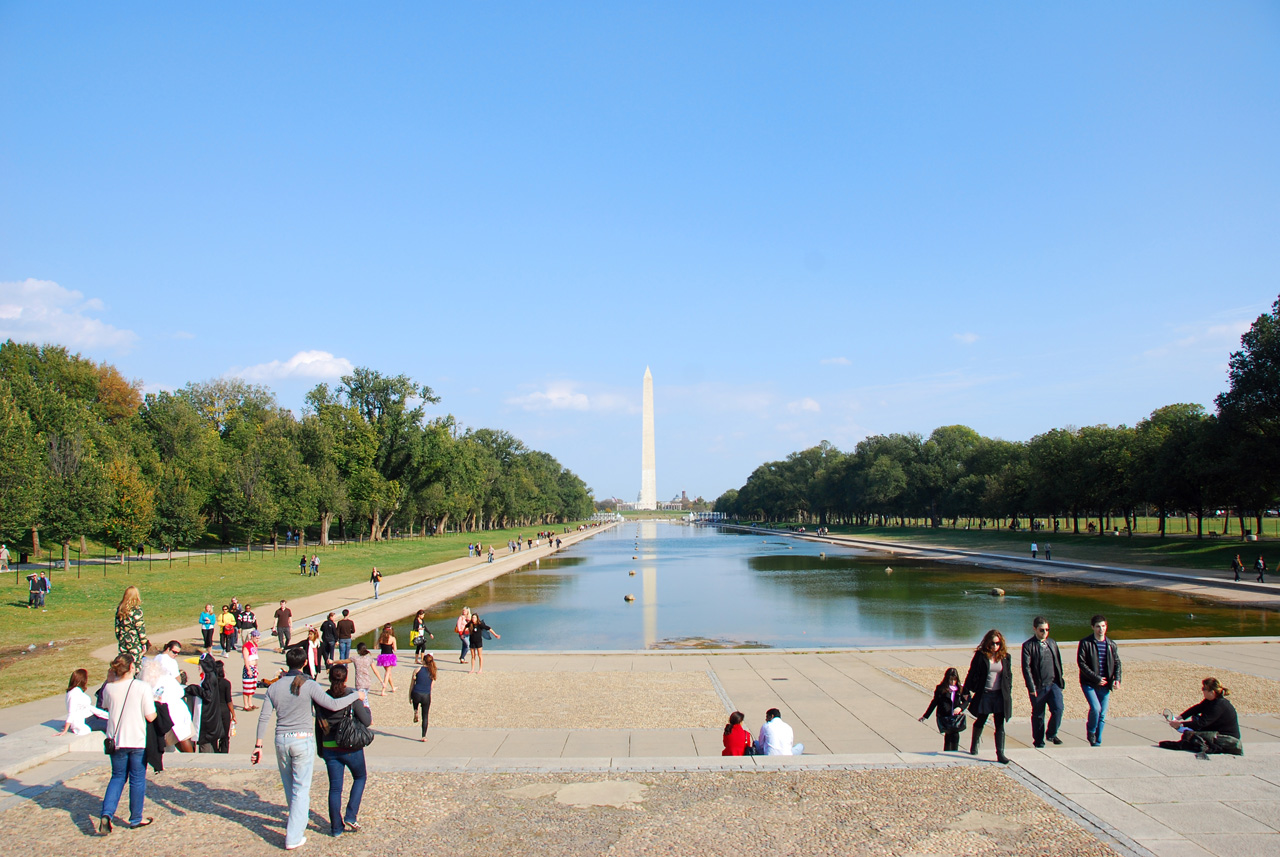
316	365
559	396
1221	338
42	311
836	361
805	405
566	396
965	338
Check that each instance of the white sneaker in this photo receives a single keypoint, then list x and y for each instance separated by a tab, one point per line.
295	847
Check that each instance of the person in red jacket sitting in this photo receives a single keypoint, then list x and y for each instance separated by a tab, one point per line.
737	740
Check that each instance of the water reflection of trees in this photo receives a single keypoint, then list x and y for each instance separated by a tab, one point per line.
925	601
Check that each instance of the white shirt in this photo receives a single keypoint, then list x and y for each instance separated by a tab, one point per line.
168	665
129	710
776	737
173	695
79	707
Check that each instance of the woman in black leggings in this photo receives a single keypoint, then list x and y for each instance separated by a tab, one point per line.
420	693
989	686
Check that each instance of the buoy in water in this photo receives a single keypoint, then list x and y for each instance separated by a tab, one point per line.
822	556
628	598
631	573
998	592
635	557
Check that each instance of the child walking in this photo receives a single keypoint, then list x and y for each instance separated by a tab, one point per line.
948	701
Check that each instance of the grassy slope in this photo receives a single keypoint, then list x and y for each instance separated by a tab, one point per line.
83	610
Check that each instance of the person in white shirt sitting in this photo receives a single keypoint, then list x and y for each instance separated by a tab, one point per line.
776	737
168	659
83	716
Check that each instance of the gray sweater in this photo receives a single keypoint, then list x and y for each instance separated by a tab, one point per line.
294	713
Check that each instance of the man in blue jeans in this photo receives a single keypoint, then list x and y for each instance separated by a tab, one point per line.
1042	672
1099	663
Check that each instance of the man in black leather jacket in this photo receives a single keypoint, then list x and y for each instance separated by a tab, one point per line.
1042	672
1099	661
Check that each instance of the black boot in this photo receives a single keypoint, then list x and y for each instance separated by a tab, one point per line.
1000	756
976	739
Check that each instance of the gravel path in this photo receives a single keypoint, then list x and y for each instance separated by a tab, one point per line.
1147	689
966	810
563	700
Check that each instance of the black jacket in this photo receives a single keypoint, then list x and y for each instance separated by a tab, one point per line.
975	683
1087	661
1031	664
943	703
328	631
1216	715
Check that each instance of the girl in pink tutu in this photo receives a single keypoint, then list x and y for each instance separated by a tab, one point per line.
387	656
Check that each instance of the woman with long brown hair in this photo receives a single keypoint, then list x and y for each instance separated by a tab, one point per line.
420	693
83	716
336	758
989	686
387	656
131	630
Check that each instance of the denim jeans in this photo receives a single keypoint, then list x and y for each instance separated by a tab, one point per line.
1097	697
296	758
466	647
335	760
344	649
1051	696
127	764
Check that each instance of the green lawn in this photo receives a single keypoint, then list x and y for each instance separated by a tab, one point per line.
79	615
1175	551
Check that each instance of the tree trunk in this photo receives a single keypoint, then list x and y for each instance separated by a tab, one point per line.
66	555
1259	520
35	541
1162	512
326	521
1240	512
375	524
84	547
1199	522
440	525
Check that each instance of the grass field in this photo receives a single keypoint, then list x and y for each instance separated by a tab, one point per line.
1175	551
79	614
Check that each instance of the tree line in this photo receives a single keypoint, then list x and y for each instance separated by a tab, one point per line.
1179	460
84	453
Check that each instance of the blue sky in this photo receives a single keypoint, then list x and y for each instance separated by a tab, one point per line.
813	223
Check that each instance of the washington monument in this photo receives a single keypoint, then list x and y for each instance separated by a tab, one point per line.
648	469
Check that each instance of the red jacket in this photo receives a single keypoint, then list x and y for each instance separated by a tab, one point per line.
735	743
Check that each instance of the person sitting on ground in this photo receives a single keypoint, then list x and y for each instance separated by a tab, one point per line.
776	737
83	716
1209	726
737	740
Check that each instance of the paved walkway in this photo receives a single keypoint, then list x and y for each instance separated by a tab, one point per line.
853	709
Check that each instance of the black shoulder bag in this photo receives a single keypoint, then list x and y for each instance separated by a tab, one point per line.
350	733
109	744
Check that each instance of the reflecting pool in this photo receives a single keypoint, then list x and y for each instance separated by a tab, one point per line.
703	587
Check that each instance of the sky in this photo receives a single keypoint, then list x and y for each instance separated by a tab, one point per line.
816	222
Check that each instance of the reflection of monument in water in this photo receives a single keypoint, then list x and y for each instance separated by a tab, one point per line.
649	579
648	468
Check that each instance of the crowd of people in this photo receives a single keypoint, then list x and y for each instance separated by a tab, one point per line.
987	693
148	704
